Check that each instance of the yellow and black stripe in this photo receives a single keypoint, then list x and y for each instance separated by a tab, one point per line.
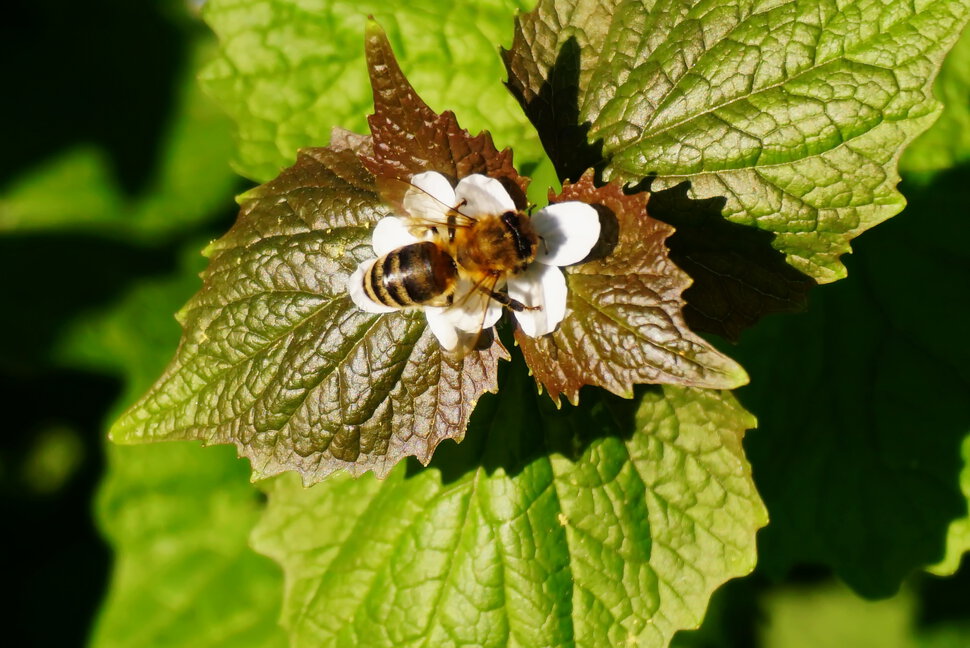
411	275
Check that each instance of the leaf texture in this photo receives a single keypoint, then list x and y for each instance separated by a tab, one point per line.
790	114
539	530
278	360
289	70
623	321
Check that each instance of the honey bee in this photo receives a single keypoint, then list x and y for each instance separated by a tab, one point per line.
461	256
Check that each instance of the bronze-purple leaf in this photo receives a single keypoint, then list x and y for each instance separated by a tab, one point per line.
624	323
275	357
410	138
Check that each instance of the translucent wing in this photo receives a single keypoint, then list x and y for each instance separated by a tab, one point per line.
459	326
428	201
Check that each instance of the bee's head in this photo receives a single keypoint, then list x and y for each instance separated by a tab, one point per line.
523	236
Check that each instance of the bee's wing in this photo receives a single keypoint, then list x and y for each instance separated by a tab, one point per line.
460	325
429	201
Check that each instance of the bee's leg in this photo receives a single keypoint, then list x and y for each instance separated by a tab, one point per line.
510	303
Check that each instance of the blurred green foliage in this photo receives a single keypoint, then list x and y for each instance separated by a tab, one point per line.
115	173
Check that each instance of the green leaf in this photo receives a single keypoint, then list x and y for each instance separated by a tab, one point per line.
623	322
830	615
70	190
179	518
292	69
926	613
947	143
790	115
863	406
542	528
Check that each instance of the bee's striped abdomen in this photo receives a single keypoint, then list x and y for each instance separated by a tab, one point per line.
411	275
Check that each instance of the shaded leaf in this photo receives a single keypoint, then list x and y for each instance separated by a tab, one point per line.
179	518
862	404
958	535
736	276
289	70
540	529
554	54
791	113
623	321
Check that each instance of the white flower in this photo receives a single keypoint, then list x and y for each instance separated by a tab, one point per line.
567	232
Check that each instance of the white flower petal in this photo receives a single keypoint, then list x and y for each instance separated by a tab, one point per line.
473	310
430	197
449	336
355	286
478	194
543	286
459	326
568	231
390	233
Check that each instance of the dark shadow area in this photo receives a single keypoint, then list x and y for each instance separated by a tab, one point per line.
104	74
944	602
55	558
609	234
738	277
554	111
100	72
53	278
54	561
862	403
522	426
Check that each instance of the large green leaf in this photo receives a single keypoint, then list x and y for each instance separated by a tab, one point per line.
184	575
794	112
787	117
291	70
590	526
863	404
